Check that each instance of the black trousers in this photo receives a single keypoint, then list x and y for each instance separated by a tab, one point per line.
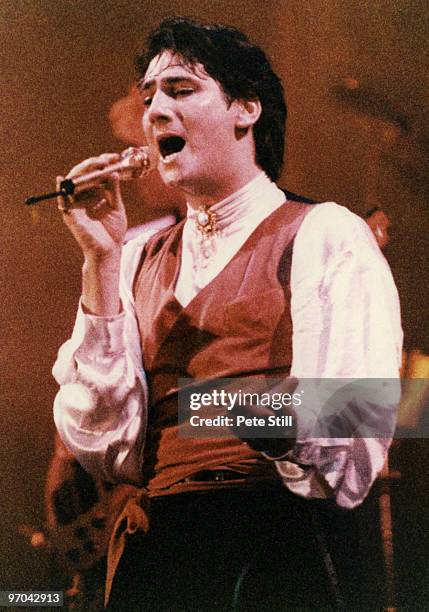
235	550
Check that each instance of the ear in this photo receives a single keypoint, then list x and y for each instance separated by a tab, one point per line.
248	113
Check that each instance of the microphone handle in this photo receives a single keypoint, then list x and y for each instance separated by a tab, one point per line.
135	163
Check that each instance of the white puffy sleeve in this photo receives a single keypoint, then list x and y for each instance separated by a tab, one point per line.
346	325
100	409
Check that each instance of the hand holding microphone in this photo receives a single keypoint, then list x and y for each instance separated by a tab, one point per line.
95	213
90	201
90	198
96	217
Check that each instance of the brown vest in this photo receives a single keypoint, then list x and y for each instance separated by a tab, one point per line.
238	325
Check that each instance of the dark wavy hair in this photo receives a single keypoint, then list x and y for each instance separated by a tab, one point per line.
240	67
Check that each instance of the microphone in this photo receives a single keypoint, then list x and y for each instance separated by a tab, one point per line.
134	163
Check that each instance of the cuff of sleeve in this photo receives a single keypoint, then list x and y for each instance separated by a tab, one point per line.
102	334
314	472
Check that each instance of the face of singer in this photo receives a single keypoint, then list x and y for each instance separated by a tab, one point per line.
214	155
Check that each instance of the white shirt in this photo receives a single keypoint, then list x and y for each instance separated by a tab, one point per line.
346	324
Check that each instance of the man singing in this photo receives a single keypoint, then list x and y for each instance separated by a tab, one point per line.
255	282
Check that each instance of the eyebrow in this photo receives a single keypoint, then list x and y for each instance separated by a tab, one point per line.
166	80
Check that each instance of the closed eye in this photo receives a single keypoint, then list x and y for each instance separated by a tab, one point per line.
175	93
183	91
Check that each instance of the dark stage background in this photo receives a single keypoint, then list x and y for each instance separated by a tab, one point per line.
357	85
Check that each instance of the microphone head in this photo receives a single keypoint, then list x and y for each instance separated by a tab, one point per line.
137	162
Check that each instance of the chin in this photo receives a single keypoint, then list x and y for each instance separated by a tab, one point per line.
172	179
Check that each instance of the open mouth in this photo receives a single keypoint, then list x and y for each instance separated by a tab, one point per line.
170	145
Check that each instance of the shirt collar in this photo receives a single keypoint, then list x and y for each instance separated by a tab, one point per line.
259	197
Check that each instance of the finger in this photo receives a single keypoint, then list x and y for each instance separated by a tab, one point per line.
112	187
107	187
98	209
64	202
93	163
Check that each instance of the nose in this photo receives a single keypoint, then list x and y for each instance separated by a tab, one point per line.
161	108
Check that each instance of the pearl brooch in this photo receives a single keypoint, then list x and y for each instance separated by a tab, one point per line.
206	222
